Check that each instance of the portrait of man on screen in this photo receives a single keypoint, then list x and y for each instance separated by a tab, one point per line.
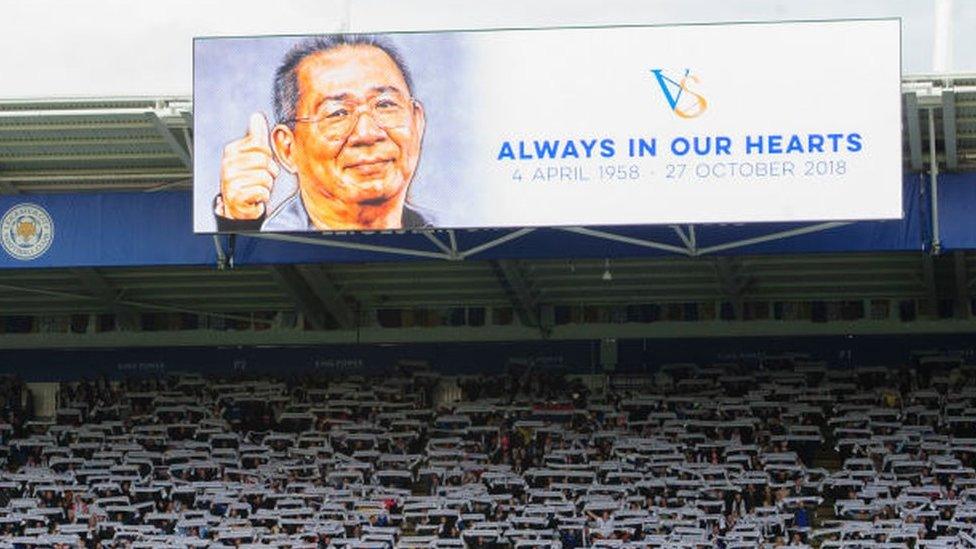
346	126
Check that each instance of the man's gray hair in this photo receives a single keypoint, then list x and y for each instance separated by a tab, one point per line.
286	77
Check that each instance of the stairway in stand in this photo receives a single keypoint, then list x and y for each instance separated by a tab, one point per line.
828	458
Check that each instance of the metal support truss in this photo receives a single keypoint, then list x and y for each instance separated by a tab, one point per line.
734	283
512	279
304	298
98	287
182	152
315	295
629	240
329	295
514	235
780	235
449	251
690	238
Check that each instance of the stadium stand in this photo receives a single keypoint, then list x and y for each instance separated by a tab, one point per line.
794	454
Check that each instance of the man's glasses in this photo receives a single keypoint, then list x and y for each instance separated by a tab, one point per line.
336	119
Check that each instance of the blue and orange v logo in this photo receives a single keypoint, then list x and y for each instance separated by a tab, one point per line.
694	104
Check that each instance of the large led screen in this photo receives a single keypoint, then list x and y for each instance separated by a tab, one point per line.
736	123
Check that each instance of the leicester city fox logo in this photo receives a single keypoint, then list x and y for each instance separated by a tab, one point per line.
26	231
683	101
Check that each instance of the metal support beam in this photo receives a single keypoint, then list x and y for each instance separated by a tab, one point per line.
772	236
914	130
221	256
304	298
452	254
453	241
98	287
512	279
684	238
178	149
188	139
733	283
949	128
496	242
628	240
329	295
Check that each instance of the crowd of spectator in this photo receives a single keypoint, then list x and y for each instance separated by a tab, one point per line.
792	453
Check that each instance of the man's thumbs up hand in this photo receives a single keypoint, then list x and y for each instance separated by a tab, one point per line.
247	173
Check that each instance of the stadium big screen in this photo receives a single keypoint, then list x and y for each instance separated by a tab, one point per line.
558	127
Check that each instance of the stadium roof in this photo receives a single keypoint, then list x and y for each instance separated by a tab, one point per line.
95	145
